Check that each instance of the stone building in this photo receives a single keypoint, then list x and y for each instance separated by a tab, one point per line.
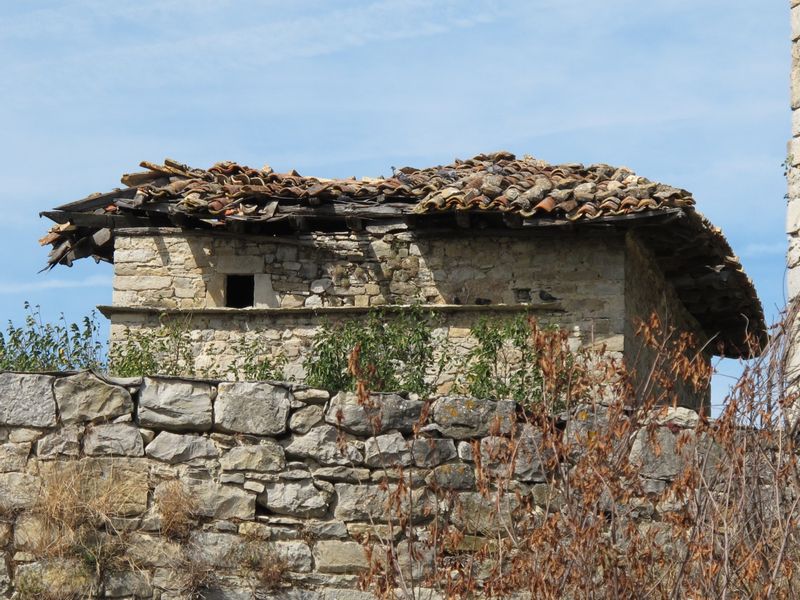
236	250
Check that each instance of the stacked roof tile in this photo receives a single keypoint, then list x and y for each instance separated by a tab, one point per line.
498	188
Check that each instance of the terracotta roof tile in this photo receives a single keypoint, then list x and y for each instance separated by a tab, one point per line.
520	192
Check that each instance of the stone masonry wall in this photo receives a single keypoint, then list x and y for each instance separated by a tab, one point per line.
646	292
277	469
187	269
305	280
290	336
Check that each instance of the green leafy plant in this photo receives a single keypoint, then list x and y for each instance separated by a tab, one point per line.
164	351
394	352
59	346
254	362
510	359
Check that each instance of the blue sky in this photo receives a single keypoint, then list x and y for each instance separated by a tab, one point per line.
693	93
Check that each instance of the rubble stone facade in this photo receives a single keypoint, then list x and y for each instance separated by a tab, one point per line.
595	285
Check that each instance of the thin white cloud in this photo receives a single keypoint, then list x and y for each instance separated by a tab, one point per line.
46	283
757	250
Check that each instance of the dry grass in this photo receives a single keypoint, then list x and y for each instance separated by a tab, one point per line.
193	576
72	526
260	565
177	509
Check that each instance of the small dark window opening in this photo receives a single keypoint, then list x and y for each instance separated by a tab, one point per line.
522	295
239	291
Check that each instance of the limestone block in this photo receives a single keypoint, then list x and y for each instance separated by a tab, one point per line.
431	452
292	301
148	550
393	411
341	473
465	451
321	286
460	417
31	532
86	398
585	422
252	407
233	264
521	458
218	501
793	215
63	442
312	396
486	515
14	457
332	556
793	254
363	502
659	455
794	143
304	419
296	554
390	450
454	476
265	457
678	416
18	491
793	283
24	434
360	502
175	448
143	282
321	444
264	296
113	439
68	577
218	549
27	400
175	405
127	584
296	498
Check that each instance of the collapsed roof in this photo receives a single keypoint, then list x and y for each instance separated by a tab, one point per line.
487	191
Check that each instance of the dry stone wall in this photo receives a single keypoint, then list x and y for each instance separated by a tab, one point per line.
276	474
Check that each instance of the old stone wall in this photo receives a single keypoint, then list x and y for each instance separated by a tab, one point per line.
215	336
280	483
646	293
303	281
187	269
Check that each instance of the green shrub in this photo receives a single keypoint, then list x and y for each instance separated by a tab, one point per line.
254	362
163	351
59	346
509	360
394	352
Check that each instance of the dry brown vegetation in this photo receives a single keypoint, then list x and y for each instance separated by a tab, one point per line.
177	510
73	530
636	502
